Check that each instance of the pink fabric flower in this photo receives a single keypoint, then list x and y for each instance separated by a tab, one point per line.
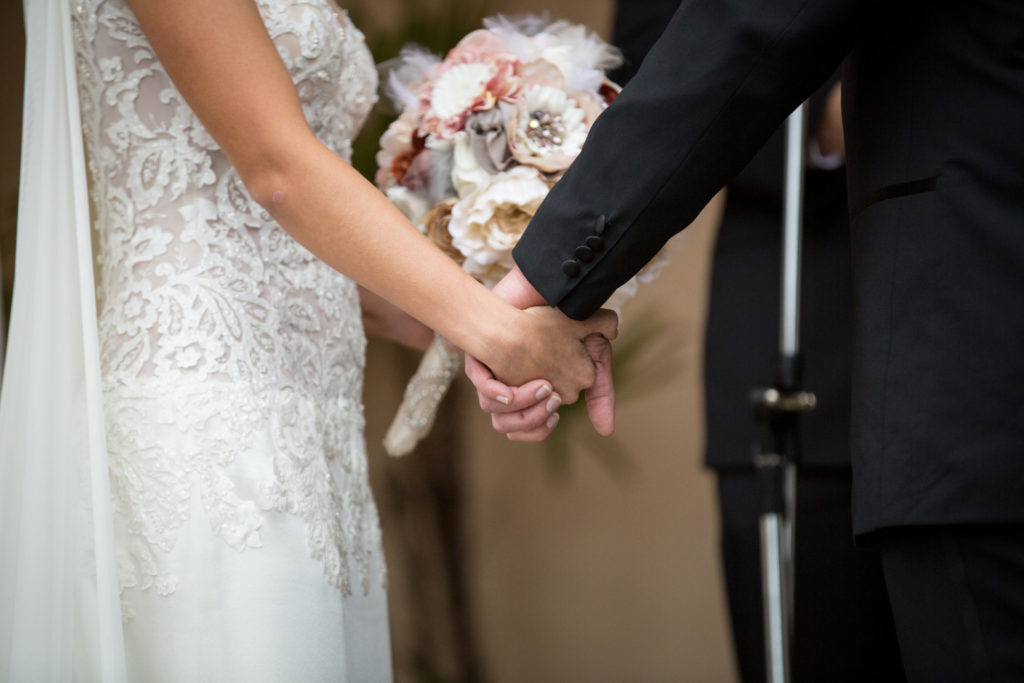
478	46
397	140
465	87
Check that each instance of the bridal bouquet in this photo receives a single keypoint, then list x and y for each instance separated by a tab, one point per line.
482	136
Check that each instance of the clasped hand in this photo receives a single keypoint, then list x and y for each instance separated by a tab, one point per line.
564	358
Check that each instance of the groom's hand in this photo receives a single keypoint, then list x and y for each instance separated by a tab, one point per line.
528	412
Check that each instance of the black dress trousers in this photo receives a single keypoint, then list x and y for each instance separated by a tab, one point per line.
958	600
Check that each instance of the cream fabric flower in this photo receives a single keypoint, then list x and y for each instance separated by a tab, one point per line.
467	174
549	129
486	225
459	88
408	202
397	139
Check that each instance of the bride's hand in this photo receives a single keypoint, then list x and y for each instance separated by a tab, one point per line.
529	412
546	344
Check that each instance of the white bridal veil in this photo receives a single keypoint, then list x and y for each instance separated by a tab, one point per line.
60	616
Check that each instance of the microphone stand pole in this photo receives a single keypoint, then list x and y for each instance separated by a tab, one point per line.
776	412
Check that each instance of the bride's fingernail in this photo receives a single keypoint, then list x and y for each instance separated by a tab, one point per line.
543	392
553	404
552	421
502	399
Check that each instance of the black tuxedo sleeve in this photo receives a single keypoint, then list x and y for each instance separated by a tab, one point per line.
722	77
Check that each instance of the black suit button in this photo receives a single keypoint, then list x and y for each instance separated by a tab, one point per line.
571	268
599	225
584	254
595	243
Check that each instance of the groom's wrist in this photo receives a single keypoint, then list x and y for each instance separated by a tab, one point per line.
518	291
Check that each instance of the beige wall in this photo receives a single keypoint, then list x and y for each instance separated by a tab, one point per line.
590	575
605	579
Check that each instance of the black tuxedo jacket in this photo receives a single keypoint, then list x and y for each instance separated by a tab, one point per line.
934	117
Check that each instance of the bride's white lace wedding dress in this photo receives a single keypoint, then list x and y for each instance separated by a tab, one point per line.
247	540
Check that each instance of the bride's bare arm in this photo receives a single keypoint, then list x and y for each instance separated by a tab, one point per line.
225	65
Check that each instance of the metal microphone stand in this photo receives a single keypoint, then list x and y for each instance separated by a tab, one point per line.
776	413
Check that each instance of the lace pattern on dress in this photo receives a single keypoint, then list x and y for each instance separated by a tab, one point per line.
214	323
